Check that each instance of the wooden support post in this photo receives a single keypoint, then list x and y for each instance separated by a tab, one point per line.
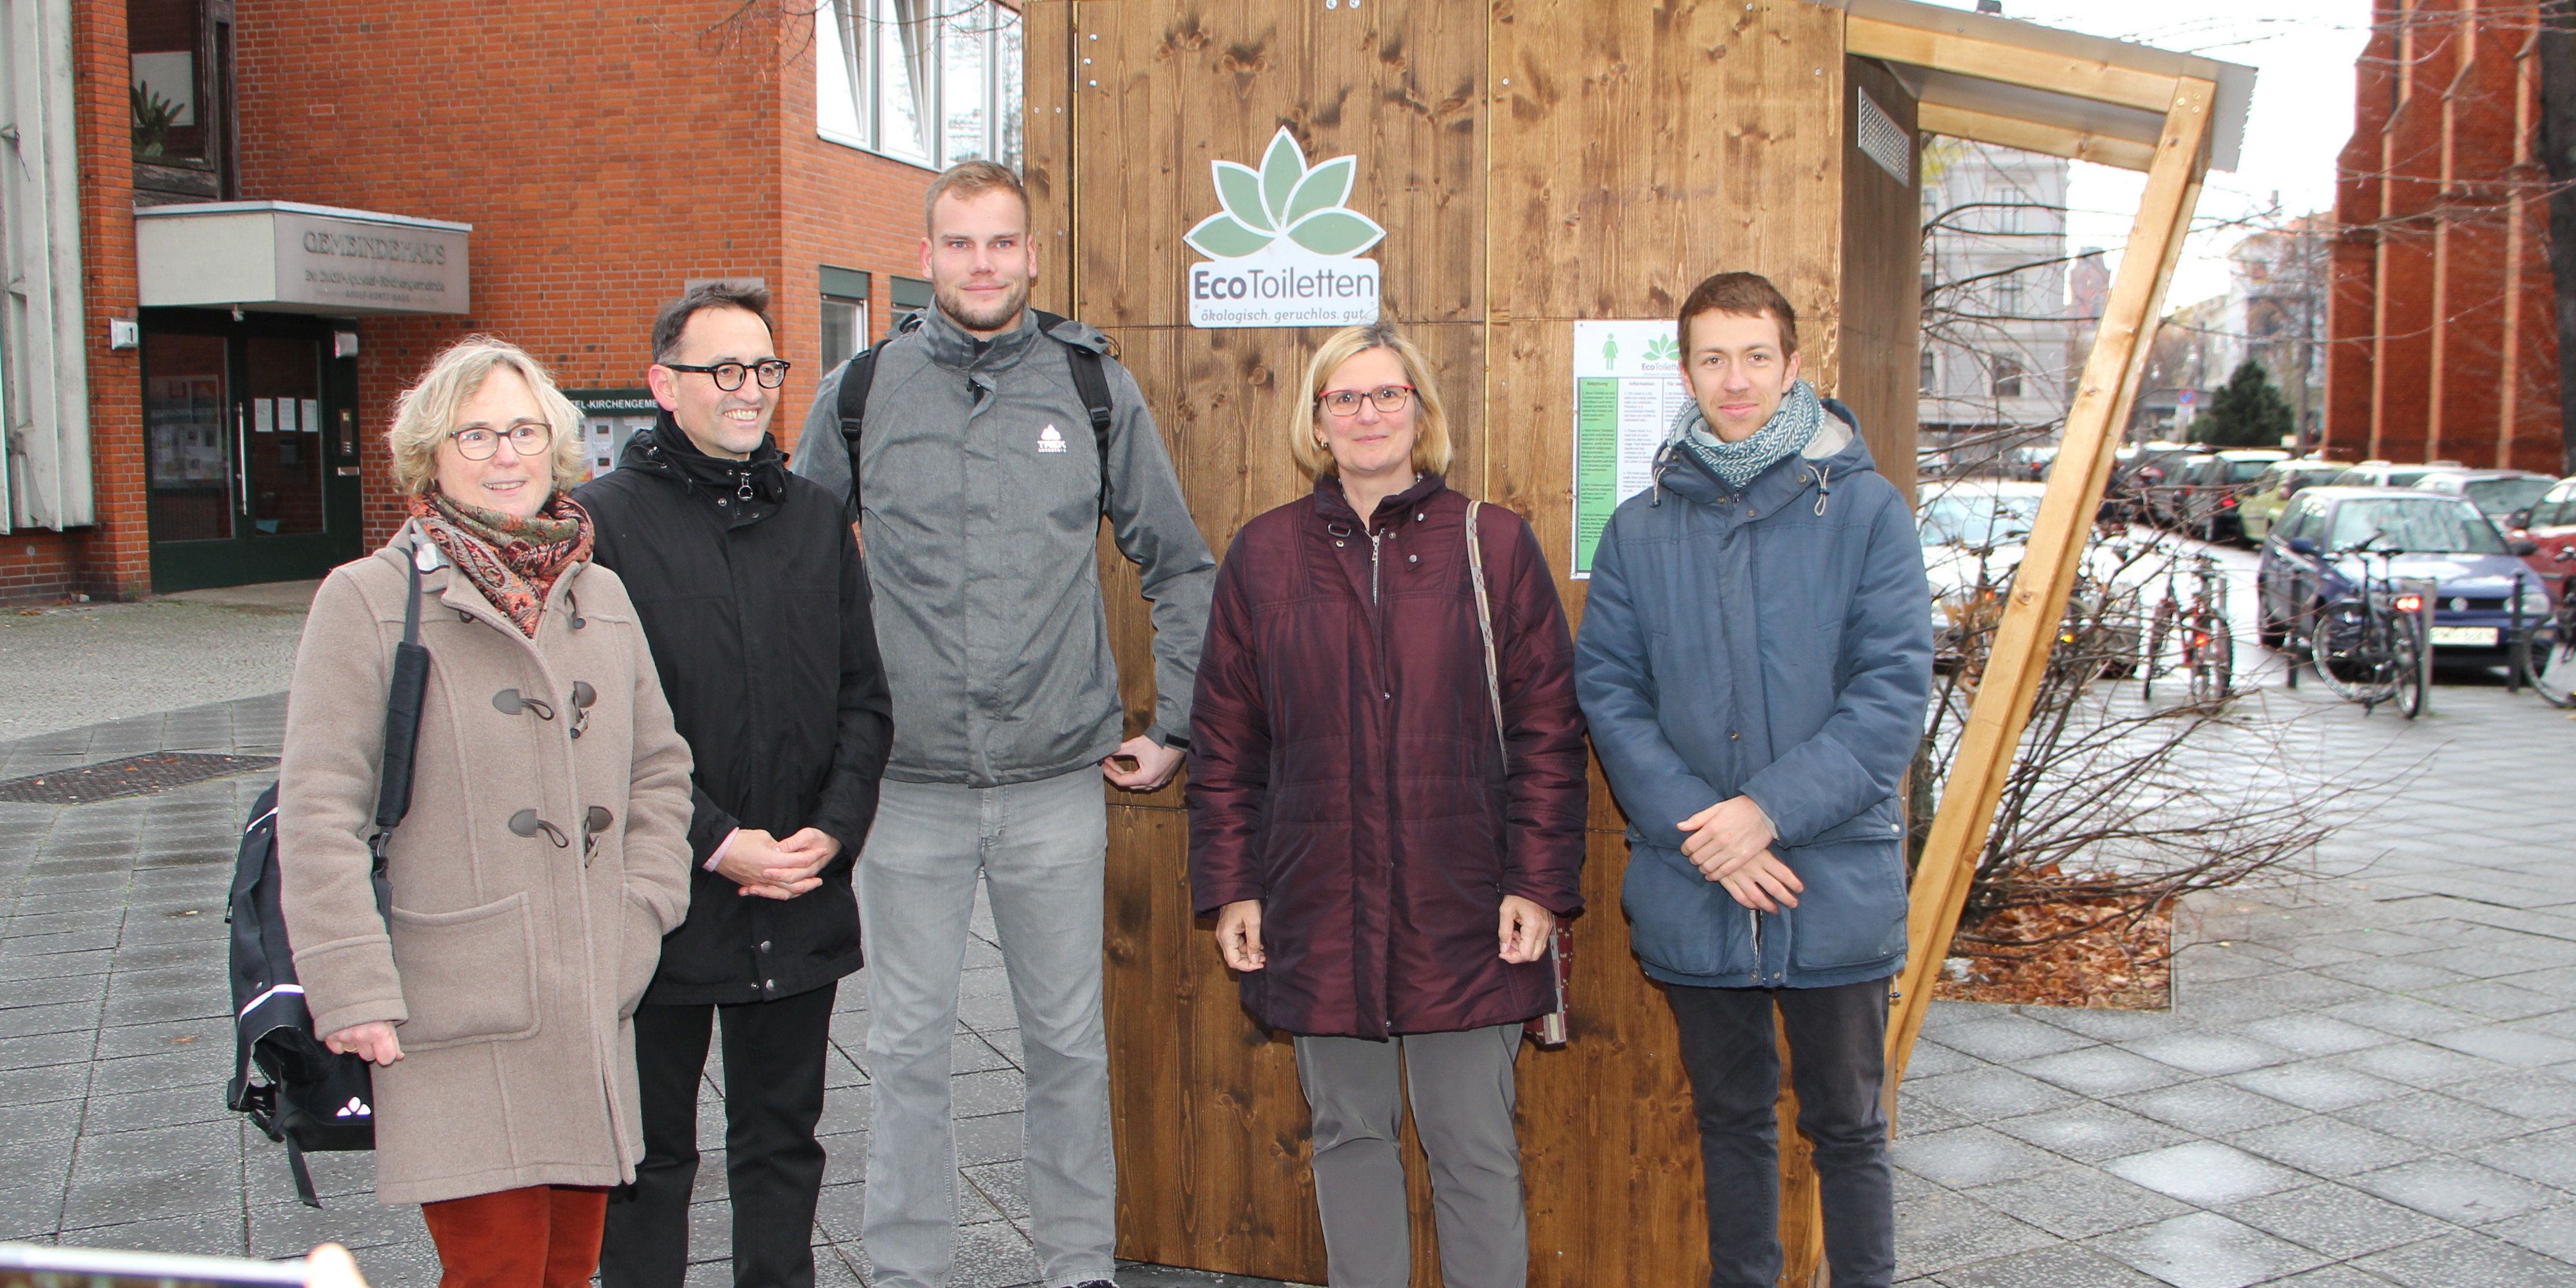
2047	573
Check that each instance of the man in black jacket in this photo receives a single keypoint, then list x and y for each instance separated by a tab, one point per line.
752	595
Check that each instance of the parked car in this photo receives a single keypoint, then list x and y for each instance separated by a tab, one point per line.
2498	492
2169	503
2136	473
2550	525
2216	486
2381	474
2313	558
2262	506
1975	532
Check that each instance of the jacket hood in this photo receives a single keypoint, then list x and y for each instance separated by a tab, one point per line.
665	451
952	347
1836	453
1333	505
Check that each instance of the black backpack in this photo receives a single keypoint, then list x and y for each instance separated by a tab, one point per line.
1090	381
308	1097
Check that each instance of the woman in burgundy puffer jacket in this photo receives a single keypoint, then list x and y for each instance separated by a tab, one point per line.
1384	874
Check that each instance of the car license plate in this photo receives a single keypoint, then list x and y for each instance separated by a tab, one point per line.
2464	636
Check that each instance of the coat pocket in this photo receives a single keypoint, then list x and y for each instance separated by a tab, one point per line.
639	955
1853	911
1679	921
469	975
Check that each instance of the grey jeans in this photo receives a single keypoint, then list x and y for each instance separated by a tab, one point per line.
1462	1093
1040	849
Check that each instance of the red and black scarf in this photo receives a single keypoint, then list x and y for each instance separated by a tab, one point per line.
513	561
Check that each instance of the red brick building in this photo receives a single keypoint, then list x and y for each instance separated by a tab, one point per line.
283	209
2441	334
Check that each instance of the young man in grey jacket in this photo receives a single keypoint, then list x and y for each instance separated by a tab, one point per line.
980	492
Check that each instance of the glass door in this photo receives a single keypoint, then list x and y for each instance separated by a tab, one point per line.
251	449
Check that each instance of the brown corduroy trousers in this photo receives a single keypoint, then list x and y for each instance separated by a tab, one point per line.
538	1236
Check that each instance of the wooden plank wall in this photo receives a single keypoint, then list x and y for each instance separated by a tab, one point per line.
1535	162
1882	287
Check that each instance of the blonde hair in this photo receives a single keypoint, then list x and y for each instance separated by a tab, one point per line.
1430	415
968	180
426	413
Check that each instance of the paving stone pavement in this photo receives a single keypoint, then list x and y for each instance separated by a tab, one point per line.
2369	1076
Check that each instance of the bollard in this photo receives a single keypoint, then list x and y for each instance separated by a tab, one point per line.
2513	676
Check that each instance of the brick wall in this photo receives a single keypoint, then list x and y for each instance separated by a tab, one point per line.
840	206
2442	343
604	154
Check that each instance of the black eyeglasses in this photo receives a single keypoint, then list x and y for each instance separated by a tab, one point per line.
527	438
728	375
1346	402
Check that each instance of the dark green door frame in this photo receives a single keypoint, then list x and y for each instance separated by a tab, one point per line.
249	555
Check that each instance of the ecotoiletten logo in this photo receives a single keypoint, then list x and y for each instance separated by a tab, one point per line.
1285	250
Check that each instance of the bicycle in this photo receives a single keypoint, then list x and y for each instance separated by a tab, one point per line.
2369	646
2208	647
2549	650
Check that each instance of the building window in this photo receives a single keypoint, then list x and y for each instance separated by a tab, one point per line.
907	293
845	314
1930	374
179	99
2007	378
2008	298
934	82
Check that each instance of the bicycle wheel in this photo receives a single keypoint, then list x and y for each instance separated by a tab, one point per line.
2549	661
2213	662
2406	664
2349	651
2151	655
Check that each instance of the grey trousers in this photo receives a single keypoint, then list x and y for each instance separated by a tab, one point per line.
1040	849
1462	1093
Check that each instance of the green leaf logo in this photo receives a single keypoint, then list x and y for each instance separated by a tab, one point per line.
1662	349
1285	198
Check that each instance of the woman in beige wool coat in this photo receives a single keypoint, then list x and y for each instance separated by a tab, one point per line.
545	853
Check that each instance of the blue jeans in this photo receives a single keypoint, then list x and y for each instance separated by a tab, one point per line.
1838	1064
1041	849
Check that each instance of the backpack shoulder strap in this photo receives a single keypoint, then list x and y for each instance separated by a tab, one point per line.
1091	382
857	376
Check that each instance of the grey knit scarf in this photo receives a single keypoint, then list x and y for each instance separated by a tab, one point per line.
1786	434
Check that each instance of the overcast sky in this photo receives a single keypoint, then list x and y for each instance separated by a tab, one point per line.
2303	52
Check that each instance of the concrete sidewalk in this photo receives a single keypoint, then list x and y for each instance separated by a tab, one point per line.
81	664
2369	1076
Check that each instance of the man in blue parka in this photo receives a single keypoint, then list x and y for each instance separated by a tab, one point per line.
1755	659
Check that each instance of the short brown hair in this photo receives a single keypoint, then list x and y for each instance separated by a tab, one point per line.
750	297
1744	295
969	180
1430	421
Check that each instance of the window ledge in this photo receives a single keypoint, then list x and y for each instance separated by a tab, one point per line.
851	142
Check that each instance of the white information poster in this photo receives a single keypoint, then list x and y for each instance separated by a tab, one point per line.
1627	389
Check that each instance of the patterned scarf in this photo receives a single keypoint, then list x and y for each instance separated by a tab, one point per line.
513	561
1786	434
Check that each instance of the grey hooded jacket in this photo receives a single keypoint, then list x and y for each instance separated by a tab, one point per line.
980	509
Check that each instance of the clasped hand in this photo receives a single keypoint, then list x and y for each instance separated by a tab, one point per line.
1730	843
774	869
1523	932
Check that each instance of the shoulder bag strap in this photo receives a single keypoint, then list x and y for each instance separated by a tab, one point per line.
1485	628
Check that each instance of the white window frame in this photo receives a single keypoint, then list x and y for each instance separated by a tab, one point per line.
44	371
848	40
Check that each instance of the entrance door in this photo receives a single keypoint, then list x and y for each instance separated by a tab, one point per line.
251	450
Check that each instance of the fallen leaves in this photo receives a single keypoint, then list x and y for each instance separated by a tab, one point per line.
2069	952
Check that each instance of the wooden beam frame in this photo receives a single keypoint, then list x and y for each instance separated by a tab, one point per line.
2034	136
2083	77
2029	624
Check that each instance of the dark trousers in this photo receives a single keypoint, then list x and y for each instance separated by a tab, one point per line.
1837	1064
773	1060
